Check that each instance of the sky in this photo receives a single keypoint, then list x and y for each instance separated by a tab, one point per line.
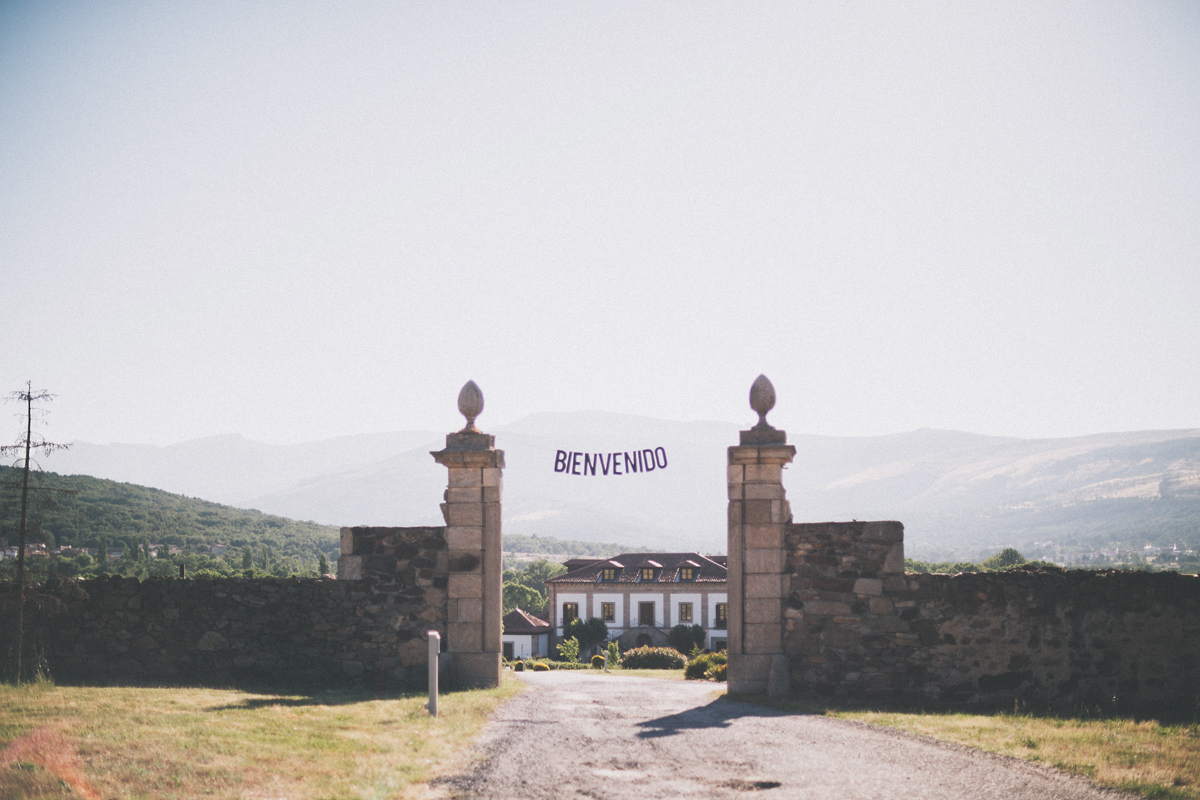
295	221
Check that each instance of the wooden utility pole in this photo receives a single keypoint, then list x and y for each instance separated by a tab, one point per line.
24	448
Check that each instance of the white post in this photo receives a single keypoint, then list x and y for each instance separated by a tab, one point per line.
435	648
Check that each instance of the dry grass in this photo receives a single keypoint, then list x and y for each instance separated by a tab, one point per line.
1152	759
59	742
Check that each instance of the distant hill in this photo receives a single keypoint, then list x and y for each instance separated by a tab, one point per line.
124	515
960	495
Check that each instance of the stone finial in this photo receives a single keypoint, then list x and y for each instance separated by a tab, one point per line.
762	399
470	405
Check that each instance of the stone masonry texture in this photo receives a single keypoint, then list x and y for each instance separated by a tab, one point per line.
856	626
369	631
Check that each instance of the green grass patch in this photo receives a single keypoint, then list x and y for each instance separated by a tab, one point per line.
227	743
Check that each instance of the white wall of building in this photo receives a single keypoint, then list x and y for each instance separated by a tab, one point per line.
660	607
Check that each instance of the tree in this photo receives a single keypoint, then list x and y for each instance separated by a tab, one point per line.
589	633
25	447
684	637
1008	557
323	565
518	594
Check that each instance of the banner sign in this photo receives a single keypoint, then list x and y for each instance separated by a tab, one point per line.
620	463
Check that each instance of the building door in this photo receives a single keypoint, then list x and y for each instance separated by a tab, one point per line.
646	614
508	651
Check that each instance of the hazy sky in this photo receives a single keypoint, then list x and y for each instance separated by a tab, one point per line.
299	220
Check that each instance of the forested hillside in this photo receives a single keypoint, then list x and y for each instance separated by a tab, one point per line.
90	513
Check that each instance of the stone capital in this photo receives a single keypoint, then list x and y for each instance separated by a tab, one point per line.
779	454
471	459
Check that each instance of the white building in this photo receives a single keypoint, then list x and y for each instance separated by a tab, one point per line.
524	636
641	596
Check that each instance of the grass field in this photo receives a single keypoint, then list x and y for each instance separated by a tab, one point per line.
1147	756
99	743
1142	756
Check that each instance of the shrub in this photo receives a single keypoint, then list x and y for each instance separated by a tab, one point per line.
653	658
686	637
569	650
519	666
704	667
597	662
541	666
614	654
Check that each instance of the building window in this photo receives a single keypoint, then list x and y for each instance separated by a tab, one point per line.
722	615
720	644
608	612
647	573
570	612
687	573
646	614
685	612
608	575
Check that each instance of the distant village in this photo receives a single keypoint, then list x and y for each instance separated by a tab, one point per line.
1152	557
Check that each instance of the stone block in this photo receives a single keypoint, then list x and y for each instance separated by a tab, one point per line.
350	568
764	491
881	606
749	667
464	494
769	561
461	476
493	477
779	679
894	563
491	517
464	637
763	537
762	611
459	538
868	586
764	473
764	587
347	542
763	638
736	491
491	494
757	512
468	610
734	513
465	585
476	670
891	532
827	608
735	474
465	515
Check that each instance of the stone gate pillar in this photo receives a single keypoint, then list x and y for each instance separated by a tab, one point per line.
758	514
472	513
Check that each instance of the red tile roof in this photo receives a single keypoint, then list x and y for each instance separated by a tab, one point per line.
518	622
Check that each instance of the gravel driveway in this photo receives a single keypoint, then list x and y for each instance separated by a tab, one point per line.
586	734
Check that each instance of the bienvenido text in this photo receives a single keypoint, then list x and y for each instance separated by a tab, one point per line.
619	463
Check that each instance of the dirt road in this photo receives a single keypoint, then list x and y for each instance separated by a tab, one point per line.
584	734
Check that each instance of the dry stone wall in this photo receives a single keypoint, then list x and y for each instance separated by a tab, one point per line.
855	625
369	628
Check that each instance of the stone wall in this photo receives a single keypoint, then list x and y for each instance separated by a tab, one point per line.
368	629
855	625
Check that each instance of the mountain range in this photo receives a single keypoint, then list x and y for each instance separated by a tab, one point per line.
959	494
